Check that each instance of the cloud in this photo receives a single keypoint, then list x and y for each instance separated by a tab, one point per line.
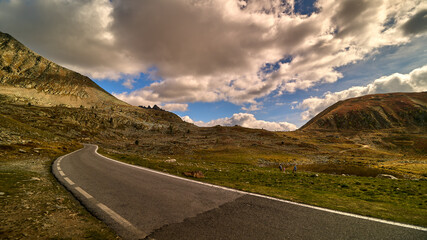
417	24
252	107
415	81
175	107
76	34
245	120
187	119
129	83
138	100
211	50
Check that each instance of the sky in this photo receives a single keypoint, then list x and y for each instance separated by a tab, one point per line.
270	64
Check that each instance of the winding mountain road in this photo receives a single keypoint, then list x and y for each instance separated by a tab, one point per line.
141	203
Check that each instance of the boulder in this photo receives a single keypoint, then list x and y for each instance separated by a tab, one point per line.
388	176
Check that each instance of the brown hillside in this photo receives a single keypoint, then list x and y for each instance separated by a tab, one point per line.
28	78
34	79
371	112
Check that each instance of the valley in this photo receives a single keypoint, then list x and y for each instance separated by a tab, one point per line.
364	155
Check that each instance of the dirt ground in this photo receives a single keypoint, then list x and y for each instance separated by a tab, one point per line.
35	206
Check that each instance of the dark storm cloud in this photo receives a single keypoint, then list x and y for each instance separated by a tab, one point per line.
184	37
417	24
353	16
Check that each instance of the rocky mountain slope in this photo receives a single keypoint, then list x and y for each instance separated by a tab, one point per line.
40	100
373	112
32	78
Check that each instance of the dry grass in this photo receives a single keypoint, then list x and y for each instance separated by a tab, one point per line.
34	205
31	137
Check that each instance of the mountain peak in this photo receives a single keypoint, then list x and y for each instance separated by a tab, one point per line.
27	76
372	112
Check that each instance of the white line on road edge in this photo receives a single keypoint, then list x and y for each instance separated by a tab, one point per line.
84	193
69	181
267	197
116	217
119	219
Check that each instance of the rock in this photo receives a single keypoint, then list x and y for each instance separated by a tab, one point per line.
2	193
22	151
36	150
172	160
59	207
35	179
388	176
195	174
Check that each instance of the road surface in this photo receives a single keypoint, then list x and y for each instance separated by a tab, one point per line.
141	203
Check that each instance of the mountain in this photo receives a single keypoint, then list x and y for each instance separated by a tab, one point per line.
373	112
41	101
31	78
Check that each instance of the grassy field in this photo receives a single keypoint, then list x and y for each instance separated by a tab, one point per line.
401	200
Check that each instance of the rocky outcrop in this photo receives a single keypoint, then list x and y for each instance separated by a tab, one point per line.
22	68
372	112
53	99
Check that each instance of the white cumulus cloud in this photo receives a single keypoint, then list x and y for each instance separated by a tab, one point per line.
129	83
137	100
207	51
415	81
245	120
181	107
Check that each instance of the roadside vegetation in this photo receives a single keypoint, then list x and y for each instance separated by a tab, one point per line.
33	204
401	200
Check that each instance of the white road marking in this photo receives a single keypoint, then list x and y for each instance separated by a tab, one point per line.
58	160
267	197
119	219
116	217
84	193
68	181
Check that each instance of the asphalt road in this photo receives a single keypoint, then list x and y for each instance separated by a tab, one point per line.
141	203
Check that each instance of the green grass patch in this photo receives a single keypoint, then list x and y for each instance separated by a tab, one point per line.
397	200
